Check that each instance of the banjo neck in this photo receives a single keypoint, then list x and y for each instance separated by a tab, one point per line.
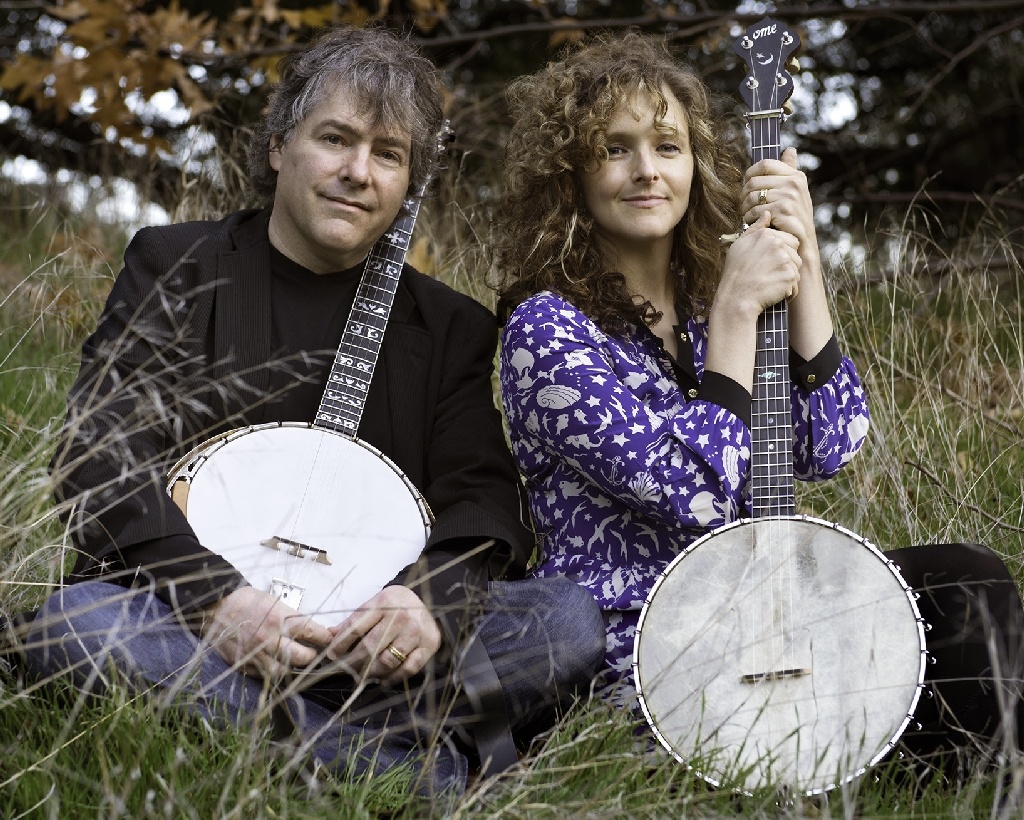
765	89
341	407
771	447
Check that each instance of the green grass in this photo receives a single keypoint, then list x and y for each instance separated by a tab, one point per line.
95	761
941	353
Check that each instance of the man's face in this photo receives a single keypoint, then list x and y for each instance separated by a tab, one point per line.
340	184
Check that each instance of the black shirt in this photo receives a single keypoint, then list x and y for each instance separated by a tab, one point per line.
308	316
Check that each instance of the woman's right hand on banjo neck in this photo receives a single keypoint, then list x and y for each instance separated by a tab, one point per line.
776	258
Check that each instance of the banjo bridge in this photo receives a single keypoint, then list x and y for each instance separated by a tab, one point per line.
777	674
299	550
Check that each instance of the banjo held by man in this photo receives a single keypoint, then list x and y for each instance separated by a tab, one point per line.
310	512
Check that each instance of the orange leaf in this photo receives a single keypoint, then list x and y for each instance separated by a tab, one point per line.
565	35
192	97
428	13
270	12
171	25
309	18
90	32
69	11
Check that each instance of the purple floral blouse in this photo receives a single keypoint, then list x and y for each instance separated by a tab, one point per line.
629	457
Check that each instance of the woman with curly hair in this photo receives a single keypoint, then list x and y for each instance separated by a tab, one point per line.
628	349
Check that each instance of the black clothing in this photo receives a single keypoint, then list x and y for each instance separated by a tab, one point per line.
974	681
203	333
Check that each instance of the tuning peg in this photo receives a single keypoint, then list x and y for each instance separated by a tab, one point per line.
793	64
787	108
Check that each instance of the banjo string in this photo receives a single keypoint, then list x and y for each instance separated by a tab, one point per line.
374	280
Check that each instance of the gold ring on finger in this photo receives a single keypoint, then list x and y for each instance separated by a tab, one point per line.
762	197
399	655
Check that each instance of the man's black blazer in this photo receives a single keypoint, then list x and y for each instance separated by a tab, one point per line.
181	353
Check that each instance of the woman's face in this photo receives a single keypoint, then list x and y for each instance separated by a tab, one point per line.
638	195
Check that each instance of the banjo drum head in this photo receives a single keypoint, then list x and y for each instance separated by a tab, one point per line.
791	654
346	520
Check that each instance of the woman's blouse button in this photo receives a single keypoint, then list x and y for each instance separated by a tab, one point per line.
692	393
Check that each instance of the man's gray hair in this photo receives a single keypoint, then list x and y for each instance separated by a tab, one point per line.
397	87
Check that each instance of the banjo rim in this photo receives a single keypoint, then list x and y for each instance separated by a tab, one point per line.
186	467
911	596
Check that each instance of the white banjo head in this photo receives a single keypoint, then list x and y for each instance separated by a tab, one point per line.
320	519
791	654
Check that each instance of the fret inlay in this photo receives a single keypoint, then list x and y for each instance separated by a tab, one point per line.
341	408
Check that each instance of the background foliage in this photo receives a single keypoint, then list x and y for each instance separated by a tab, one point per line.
900	101
896	97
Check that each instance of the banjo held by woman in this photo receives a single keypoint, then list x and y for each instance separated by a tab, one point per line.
308	511
778	651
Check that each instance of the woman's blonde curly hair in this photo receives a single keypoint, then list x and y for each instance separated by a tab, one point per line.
544	235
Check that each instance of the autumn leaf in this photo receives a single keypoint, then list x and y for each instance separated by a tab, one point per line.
27	73
93	32
428	13
192	96
77	9
563	36
171	25
69	11
266	10
314	18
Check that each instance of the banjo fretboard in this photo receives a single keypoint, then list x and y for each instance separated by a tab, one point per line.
771	465
341	407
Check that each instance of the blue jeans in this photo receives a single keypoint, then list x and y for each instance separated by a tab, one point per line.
545	638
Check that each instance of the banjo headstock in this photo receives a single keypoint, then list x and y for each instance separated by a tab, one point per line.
766	48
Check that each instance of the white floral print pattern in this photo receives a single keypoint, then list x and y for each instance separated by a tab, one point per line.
622	470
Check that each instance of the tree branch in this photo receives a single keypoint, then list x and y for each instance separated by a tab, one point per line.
906	198
958	58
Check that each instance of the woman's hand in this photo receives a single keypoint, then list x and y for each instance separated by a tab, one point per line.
762	267
390	637
780	187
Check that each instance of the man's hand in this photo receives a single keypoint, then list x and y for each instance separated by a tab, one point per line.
256	633
390	637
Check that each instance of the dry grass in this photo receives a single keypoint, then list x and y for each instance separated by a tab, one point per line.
939	340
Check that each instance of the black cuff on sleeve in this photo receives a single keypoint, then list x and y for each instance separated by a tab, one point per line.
466	524
188	576
450	578
810	375
725	392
